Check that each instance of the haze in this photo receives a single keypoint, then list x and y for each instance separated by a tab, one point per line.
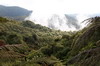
44	9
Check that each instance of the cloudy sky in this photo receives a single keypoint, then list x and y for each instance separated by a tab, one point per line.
44	8
57	6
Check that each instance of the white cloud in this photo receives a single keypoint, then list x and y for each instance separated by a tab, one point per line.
42	9
57	6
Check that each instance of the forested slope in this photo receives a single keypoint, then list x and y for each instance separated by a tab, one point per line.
23	43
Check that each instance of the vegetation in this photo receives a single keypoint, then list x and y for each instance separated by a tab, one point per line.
23	43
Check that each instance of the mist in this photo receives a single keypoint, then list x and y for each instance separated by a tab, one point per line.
64	22
62	15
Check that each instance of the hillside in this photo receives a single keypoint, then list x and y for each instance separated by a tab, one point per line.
85	48
24	43
14	12
19	38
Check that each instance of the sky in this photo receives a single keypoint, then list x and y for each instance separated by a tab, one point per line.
43	9
57	6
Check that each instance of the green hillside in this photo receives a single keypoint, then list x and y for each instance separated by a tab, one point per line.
24	43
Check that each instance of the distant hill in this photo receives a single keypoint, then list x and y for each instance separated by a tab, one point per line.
14	12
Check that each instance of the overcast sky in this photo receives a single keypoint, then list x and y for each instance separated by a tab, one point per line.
57	6
44	8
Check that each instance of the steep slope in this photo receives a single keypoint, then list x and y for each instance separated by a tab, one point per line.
14	12
85	48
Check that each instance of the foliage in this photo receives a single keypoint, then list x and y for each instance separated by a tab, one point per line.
30	44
